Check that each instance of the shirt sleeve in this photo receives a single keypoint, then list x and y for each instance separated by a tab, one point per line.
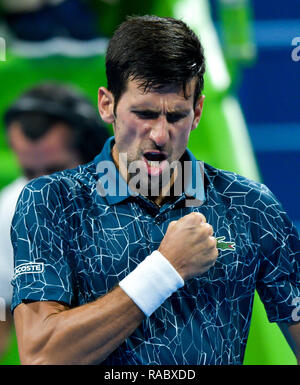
8	199
42	270
278	282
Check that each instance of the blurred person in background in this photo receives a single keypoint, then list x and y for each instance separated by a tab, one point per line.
51	127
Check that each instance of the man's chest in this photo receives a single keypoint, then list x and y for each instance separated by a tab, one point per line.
108	244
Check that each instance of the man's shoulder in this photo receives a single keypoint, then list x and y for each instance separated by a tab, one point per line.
238	188
60	188
81	176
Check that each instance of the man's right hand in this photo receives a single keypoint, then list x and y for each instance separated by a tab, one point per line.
189	245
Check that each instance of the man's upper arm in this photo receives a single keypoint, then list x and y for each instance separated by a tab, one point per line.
41	247
32	329
278	278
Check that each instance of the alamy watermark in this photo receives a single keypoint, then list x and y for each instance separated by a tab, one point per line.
2	49
150	181
296	51
296	311
2	310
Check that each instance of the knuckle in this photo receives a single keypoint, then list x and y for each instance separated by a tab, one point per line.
203	216
215	255
206	230
212	242
213	258
210	229
198	216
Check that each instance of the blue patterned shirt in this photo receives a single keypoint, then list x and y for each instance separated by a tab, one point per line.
73	245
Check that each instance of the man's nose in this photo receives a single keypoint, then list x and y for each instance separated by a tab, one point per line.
160	132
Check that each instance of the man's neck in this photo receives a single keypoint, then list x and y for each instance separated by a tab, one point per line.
165	192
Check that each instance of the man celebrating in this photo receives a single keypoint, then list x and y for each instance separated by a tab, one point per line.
106	271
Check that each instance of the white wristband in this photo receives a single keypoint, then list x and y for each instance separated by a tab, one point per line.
152	282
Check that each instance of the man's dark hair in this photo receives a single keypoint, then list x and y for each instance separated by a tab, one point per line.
47	104
156	52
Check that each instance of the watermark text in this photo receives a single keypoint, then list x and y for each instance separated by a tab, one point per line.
2	49
296	311
154	180
2	310
296	51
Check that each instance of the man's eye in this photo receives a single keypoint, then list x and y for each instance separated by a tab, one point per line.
146	114
173	118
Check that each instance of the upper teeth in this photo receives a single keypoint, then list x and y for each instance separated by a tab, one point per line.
153	163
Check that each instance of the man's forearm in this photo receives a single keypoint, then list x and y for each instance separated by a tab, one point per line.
83	335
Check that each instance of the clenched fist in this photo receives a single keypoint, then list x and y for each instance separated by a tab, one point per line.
189	245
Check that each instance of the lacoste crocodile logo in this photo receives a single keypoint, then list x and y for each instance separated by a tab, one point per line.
223	245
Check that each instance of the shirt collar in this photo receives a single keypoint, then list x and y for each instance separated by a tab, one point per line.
110	182
115	189
193	178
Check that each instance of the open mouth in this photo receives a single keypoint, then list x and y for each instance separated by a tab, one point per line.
154	158
155	161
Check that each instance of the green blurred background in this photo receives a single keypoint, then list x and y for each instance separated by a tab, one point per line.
221	139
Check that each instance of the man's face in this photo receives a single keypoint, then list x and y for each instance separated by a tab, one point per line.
43	156
154	127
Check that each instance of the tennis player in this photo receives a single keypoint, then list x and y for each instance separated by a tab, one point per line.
108	272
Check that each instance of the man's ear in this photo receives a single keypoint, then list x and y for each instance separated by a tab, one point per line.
198	111
106	105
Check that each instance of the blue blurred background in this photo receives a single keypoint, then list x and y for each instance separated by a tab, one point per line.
269	95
